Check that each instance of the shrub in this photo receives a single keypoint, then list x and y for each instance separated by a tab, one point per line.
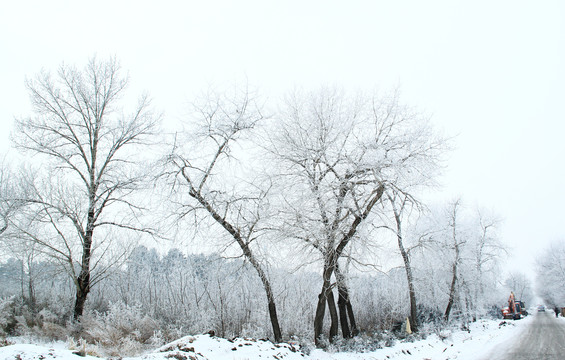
122	330
8	322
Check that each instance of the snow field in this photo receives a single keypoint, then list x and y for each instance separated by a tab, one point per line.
206	347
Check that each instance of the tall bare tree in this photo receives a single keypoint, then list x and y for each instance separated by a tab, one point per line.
88	142
208	173
487	253
399	202
339	155
456	242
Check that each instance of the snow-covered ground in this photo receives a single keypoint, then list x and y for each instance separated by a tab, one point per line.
481	338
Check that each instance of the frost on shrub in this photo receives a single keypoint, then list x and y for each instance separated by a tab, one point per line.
46	315
8	322
81	348
122	330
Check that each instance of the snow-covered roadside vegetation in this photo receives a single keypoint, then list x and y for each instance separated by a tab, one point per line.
476	341
177	295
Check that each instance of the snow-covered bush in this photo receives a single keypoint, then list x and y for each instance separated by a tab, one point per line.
7	317
123	330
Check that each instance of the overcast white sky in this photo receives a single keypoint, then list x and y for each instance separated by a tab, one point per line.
492	72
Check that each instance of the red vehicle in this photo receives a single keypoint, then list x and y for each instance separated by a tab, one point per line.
515	310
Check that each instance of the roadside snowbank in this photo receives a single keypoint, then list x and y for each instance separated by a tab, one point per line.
35	352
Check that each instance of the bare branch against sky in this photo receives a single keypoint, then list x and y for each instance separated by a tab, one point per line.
490	73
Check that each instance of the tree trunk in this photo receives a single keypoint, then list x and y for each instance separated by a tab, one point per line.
319	317
341	304
83	280
413	305
407	266
323	299
274	320
346	316
334	325
451	293
354	329
411	290
250	257
268	291
455	261
83	288
330	263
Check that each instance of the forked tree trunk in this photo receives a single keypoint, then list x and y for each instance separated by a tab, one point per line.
330	263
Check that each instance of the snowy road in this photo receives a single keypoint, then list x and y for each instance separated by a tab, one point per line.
543	338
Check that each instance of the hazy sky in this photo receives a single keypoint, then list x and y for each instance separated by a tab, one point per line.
490	72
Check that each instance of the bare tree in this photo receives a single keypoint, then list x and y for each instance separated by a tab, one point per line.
550	275
456	242
214	183
399	202
88	142
487	253
521	285
339	155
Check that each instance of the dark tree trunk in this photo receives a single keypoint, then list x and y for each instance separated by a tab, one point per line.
82	285
83	288
274	320
268	291
346	317
330	263
342	306
334	325
413	305
321	307
451	293
319	317
354	329
247	252
83	280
